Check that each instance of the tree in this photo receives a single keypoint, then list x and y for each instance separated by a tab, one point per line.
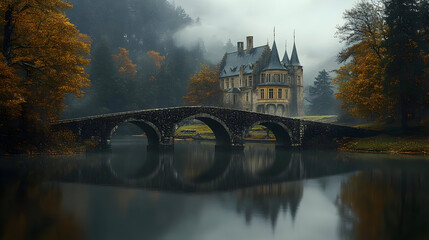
203	87
126	67
322	96
407	47
43	57
360	80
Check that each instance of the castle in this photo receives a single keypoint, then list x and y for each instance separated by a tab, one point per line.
254	79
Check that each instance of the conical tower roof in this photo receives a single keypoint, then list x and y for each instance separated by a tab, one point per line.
294	60
286	60
274	63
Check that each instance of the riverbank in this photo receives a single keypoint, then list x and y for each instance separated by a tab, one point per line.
393	140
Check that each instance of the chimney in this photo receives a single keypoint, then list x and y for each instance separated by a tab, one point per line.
240	47
249	44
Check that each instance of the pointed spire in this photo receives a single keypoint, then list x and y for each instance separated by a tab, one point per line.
294	60
286	60
274	63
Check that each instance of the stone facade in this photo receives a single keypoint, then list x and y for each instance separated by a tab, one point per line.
254	79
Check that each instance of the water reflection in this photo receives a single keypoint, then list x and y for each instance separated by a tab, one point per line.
196	191
385	205
34	211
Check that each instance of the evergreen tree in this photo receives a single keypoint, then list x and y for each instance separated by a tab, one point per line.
322	100
407	48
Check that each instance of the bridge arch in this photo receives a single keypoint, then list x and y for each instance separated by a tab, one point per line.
152	132
220	130
282	133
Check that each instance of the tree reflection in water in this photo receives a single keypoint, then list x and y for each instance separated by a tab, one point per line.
34	211
377	204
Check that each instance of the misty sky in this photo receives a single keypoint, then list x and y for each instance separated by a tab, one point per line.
314	21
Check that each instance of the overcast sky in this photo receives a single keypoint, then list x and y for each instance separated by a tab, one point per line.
314	22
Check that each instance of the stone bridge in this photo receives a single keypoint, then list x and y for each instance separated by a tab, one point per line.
229	126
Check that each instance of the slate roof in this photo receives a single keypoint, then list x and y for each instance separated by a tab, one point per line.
286	60
274	63
234	90
234	61
294	61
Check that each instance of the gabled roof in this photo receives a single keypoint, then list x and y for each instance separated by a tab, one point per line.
234	90
234	61
274	63
286	60
294	61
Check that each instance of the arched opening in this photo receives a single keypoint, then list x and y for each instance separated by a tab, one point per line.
129	158
203	127
135	130
270	132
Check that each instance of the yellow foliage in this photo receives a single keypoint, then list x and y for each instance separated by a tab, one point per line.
203	87
360	84
156	58
43	56
124	64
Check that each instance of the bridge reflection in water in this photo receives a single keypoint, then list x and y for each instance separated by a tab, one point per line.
217	170
260	182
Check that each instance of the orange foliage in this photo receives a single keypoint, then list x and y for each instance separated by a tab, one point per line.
360	85
156	58
124	64
203	87
46	52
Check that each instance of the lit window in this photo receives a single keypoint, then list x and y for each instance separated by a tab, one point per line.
279	93
262	93
270	93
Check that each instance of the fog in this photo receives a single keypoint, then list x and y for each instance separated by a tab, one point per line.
313	21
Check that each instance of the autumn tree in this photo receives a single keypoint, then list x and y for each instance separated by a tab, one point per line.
361	80
322	101
42	59
203	87
125	66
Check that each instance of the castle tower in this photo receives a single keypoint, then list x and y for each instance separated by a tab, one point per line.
272	91
297	82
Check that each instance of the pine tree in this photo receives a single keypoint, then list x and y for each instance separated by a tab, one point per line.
407	48
322	100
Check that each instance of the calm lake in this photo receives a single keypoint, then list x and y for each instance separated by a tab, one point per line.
196	192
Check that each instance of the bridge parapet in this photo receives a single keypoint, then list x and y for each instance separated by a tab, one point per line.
229	126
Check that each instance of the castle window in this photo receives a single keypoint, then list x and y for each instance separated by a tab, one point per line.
227	83
276	77
247	97
270	93
299	80
250	80
268	78
234	99
286	93
232	82
262	93
279	93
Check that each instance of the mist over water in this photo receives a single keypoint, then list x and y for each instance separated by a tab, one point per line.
196	192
